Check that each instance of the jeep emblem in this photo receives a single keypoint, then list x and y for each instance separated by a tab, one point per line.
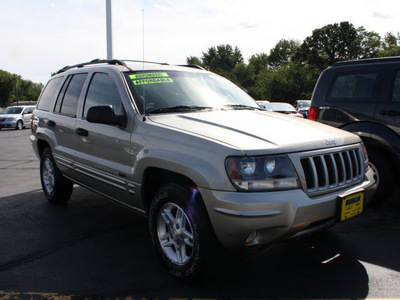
330	142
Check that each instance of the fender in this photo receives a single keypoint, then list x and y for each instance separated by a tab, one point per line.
380	135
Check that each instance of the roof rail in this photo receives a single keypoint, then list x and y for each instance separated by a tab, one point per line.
146	62
193	66
368	60
94	62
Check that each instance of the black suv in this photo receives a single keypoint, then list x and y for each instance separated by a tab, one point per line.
363	97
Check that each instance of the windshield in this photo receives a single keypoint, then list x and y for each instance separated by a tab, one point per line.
303	104
279	107
12	111
177	91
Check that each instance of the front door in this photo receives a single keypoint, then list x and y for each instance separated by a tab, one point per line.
102	160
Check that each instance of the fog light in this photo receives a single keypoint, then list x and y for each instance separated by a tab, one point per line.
251	240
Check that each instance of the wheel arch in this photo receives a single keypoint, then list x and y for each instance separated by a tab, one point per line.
154	178
379	137
41	145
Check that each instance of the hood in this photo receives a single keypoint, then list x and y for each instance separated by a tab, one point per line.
6	116
258	132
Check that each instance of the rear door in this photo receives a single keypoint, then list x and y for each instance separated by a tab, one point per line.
26	115
103	158
388	110
352	96
63	121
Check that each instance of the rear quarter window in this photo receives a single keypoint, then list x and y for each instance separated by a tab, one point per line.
396	88
49	94
353	86
68	99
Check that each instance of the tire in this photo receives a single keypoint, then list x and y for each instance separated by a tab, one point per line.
181	233
380	163
20	125
55	186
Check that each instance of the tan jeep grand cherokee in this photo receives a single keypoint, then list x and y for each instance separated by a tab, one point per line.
197	155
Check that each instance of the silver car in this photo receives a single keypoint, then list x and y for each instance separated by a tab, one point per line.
17	117
197	156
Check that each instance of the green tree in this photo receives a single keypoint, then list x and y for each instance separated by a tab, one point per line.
6	88
390	45
222	59
193	60
369	43
259	62
243	75
337	42
13	88
287	83
282	53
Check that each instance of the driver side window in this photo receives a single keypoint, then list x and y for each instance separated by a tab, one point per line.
103	91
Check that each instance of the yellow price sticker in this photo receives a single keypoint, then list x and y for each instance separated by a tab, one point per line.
152	80
148	75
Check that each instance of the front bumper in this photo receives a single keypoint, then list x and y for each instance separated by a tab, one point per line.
259	218
8	124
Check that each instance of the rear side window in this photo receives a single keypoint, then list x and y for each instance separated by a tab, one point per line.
396	88
67	101
356	86
49	94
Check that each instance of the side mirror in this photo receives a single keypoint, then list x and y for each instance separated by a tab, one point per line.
105	115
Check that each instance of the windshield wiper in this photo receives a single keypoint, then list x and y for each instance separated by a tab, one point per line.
179	108
241	106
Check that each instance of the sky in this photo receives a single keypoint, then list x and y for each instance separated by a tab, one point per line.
40	37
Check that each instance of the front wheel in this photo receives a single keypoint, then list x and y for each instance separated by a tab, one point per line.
19	125
181	232
55	186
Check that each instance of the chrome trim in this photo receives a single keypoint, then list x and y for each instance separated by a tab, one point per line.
139	210
110	179
66	162
269	213
331	169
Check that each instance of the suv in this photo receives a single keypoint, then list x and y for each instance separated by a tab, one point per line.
17	117
363	97
195	154
302	106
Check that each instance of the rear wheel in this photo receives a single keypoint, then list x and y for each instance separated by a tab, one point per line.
55	186
181	232
384	175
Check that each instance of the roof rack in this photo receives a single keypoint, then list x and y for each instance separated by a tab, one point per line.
94	62
118	62
368	60
192	66
106	61
146	62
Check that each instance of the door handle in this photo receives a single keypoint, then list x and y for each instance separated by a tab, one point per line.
51	123
390	113
82	132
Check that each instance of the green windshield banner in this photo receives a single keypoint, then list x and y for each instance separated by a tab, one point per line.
150	78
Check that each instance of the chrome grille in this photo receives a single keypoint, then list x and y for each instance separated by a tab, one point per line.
332	170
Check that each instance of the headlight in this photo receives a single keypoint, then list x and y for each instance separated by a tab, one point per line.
262	173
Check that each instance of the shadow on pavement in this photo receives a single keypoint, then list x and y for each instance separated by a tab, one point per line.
90	246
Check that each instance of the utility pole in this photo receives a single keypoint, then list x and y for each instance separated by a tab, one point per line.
109	30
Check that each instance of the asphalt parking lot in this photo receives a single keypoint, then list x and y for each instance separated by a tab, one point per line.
90	248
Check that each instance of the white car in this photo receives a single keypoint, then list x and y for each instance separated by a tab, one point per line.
17	117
